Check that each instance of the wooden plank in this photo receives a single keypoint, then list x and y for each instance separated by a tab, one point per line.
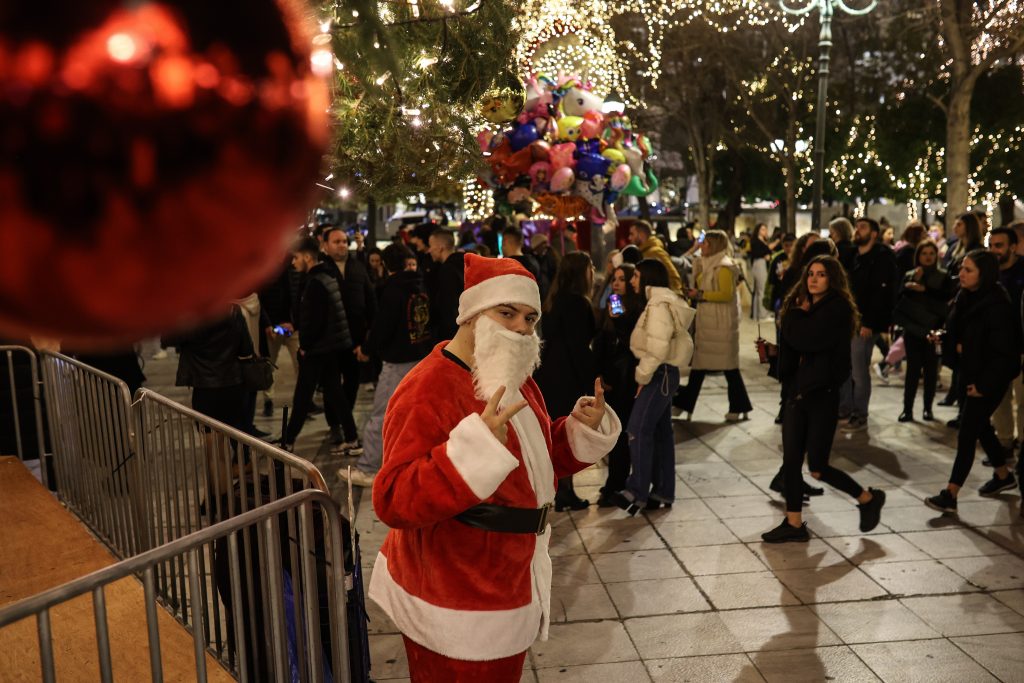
42	545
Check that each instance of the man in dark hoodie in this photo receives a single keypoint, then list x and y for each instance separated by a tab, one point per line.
400	337
873	282
324	336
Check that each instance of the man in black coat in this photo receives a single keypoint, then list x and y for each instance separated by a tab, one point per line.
448	285
512	247
873	279
400	337
276	308
360	301
1003	243
325	335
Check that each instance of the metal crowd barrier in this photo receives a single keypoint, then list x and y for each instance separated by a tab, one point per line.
284	616
89	416
23	368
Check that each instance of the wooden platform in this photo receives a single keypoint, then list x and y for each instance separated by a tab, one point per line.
42	545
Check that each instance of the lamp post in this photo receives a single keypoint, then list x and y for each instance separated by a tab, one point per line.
826	8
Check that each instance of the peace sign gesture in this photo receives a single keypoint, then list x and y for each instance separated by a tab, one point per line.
496	418
591	409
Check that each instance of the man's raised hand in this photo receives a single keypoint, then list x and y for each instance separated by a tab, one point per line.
497	419
590	410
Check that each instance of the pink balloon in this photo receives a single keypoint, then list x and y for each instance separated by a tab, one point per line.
562	179
621	176
561	155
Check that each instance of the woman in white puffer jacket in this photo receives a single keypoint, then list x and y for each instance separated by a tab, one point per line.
662	344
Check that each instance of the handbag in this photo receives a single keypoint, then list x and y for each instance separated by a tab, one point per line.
257	373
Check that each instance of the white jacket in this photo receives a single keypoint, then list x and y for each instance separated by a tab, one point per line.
662	334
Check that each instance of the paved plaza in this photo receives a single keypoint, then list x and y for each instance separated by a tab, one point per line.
691	594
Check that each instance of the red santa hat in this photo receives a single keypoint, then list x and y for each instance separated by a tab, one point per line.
491	282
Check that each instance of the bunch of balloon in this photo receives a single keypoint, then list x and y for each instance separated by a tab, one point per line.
553	147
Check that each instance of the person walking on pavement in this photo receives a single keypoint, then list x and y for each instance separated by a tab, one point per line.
818	320
324	336
401	338
444	301
983	329
1003	243
276	304
717	328
873	283
761	251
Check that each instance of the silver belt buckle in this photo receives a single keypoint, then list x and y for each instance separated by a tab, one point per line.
542	527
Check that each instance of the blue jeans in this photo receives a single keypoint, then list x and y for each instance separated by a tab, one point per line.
856	391
373	431
651	445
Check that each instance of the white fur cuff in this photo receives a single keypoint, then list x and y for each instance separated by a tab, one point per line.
590	445
480	459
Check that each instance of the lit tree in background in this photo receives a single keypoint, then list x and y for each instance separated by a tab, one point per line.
409	75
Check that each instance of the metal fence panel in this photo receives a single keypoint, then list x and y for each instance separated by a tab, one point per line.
308	643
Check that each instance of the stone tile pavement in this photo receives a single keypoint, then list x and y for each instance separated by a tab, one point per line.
691	594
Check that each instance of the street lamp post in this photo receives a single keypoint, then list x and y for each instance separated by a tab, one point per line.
826	8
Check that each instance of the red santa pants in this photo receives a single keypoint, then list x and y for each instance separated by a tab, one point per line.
427	666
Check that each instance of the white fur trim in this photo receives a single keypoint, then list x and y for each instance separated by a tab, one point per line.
502	289
460	634
590	445
480	458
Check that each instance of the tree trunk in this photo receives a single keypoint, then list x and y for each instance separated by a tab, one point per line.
783	214
705	182
958	152
371	222
1007	209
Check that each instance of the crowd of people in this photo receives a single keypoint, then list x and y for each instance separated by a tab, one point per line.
650	327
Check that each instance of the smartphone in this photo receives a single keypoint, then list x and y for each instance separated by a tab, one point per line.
616	301
700	239
280	331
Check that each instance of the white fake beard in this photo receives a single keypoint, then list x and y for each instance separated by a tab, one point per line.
503	359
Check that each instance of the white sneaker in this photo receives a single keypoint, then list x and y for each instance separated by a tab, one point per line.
881	373
357	477
159	355
347	449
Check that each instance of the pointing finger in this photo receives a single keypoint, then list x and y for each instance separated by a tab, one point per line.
599	393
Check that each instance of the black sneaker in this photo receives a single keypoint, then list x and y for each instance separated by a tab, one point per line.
777	483
944	502
812	490
954	423
871	511
784	533
996	485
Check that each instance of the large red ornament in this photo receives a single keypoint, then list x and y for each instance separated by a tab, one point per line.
155	157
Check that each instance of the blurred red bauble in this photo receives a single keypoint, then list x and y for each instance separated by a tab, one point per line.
155	157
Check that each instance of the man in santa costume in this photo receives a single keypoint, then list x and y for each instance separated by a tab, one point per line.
471	460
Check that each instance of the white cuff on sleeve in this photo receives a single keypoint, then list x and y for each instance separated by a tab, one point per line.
480	459
590	445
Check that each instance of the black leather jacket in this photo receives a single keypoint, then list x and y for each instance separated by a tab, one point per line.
209	356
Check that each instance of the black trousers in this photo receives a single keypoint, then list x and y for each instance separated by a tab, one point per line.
350	378
320	369
807	429
921	357
739	402
975	426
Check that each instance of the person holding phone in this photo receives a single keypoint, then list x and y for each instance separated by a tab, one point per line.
616	366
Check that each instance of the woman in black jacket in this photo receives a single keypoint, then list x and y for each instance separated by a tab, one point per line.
920	309
969	234
982	329
616	365
818	320
566	369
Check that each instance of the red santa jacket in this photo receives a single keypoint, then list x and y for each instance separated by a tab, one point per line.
461	591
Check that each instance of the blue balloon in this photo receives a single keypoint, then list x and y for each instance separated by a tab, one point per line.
523	136
591	165
588	146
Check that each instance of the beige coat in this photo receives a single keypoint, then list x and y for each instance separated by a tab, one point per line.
717	335
662	334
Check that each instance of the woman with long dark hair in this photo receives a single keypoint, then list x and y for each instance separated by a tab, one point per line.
567	368
982	330
818	320
616	365
761	250
662	345
922	307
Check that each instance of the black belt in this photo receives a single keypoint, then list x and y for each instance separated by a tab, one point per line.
506	520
